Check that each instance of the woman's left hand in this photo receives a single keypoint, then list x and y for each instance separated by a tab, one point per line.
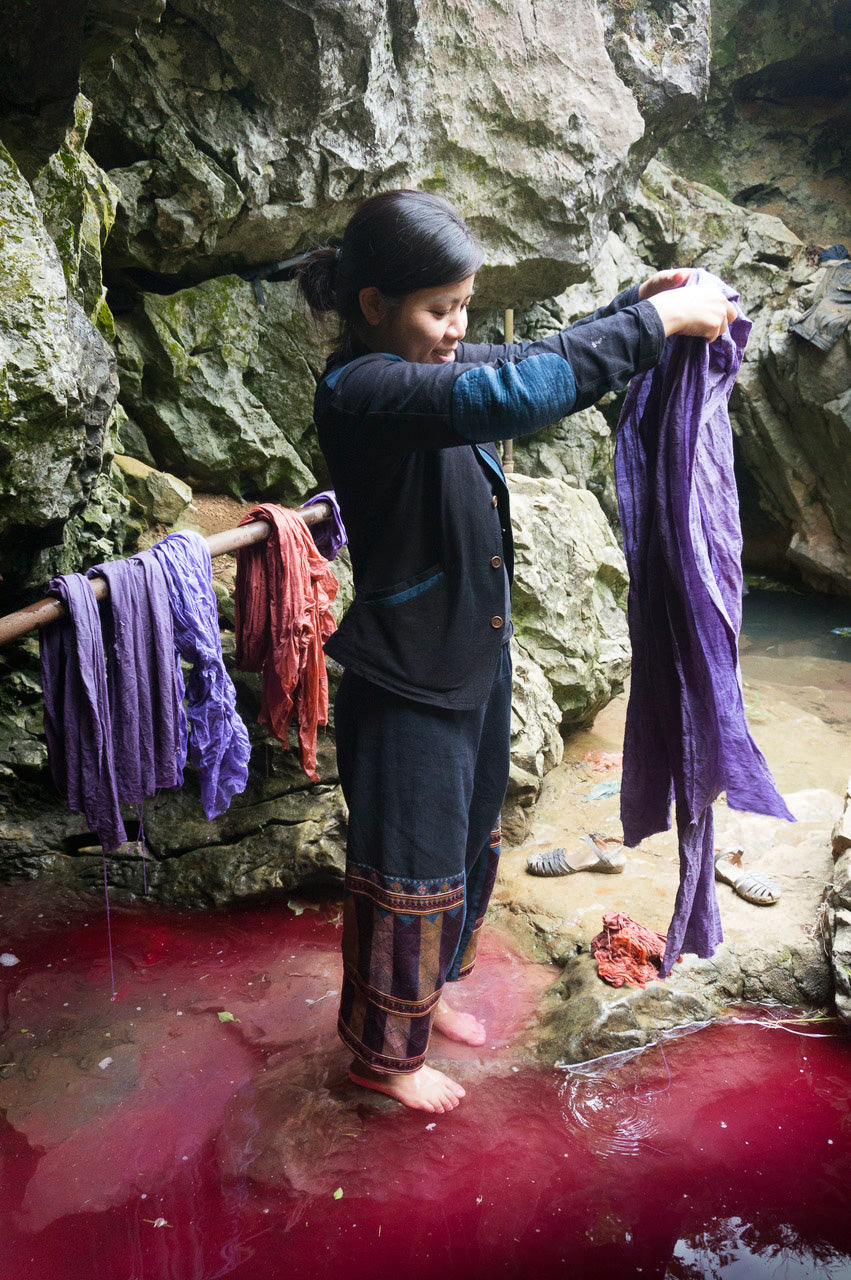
663	280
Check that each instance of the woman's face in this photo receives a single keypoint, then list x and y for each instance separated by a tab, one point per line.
425	327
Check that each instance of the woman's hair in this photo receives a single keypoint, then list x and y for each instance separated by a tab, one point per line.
398	241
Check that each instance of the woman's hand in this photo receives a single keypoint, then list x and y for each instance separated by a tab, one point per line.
663	280
699	312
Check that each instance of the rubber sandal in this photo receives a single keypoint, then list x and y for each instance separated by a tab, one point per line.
556	862
753	886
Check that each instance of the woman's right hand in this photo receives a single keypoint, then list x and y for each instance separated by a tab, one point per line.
700	311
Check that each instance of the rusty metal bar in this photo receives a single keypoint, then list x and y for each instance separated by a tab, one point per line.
43	612
508	445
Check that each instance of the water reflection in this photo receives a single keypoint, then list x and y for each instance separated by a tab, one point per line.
732	1249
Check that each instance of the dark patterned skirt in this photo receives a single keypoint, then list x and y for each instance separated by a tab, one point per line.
424	788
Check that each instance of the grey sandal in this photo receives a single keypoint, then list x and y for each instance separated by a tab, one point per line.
609	860
753	886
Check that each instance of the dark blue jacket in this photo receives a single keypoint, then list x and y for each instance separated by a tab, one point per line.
424	499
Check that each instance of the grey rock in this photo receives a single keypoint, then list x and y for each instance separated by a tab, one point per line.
837	921
661	51
161	497
584	1018
536	742
580	451
78	202
58	385
773	135
840	837
46	47
569	595
222	389
256	132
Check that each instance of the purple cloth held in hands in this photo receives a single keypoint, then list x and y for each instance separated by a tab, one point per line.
330	536
210	728
686	737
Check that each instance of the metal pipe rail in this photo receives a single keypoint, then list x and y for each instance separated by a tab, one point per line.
43	612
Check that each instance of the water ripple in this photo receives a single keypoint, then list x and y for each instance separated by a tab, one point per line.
615	1109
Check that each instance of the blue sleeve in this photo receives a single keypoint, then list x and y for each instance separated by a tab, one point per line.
513	399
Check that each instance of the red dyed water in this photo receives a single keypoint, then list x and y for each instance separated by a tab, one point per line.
148	1138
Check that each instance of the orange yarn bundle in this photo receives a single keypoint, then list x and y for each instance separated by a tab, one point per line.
627	952
284	589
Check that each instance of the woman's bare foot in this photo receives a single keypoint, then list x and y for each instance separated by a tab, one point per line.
425	1090
453	1024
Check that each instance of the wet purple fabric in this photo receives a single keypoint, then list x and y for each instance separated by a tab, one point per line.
144	694
210	728
76	711
110	717
330	536
686	737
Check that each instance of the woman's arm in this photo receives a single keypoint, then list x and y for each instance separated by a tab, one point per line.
492	393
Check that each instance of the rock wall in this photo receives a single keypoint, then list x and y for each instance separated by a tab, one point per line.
242	135
774	136
58	384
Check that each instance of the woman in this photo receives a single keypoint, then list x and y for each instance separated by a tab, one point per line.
406	413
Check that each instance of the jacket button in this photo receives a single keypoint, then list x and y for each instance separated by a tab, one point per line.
496	621
496	561
493	500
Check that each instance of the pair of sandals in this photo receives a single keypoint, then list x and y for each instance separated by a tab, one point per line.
608	859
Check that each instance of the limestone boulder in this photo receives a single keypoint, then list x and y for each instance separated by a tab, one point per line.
838	929
661	51
221	388
241	135
837	919
161	497
841	835
77	202
280	835
569	595
58	386
580	451
536	743
792	415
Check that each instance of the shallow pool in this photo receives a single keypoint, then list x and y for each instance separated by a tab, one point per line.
150	1138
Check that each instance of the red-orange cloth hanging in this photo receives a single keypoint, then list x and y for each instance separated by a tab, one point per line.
625	951
284	589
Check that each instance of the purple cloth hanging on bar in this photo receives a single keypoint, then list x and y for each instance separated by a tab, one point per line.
210	728
686	737
144	695
111	698
330	536
76	710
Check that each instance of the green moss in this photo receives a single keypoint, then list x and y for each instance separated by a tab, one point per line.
78	203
